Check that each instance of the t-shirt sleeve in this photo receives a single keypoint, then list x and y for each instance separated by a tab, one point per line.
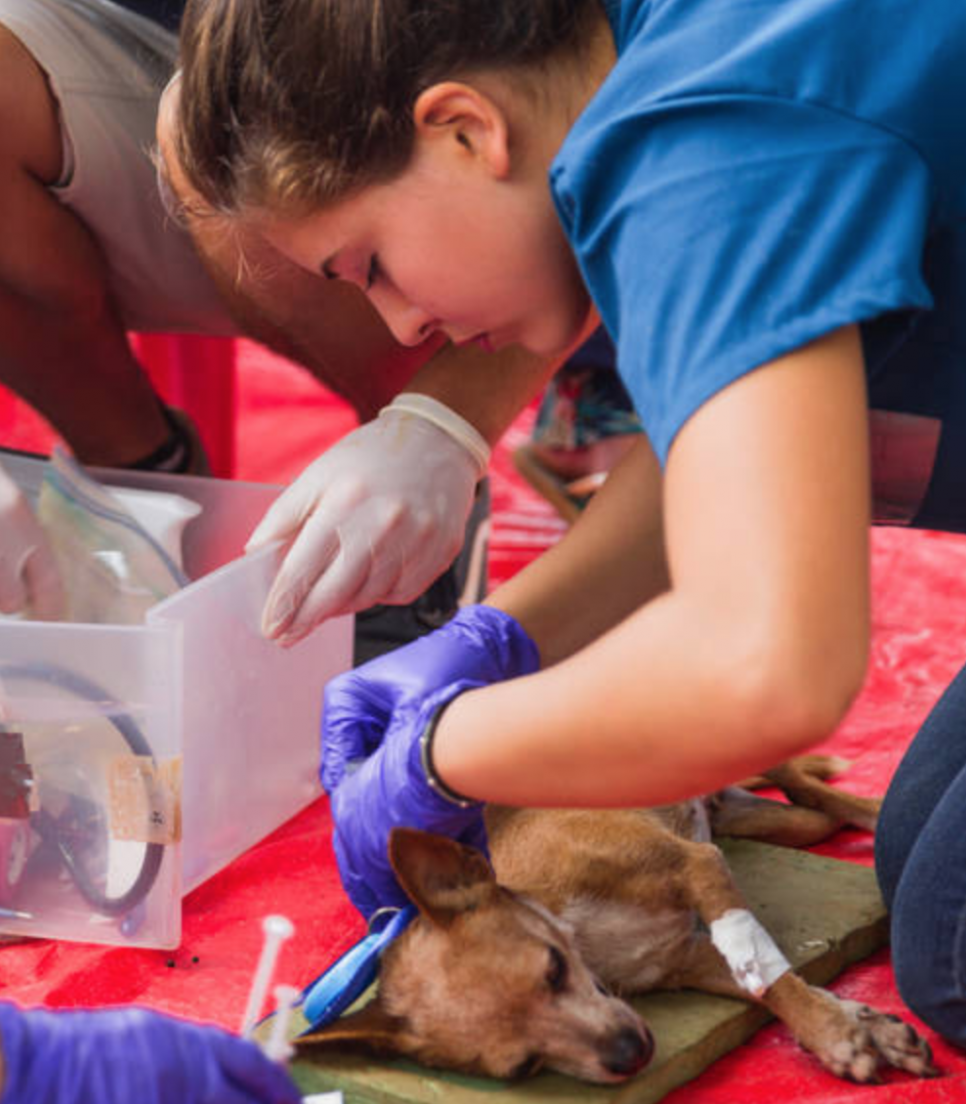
716	234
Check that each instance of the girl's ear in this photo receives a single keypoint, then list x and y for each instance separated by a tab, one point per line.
462	114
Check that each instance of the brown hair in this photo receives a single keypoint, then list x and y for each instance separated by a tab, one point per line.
291	104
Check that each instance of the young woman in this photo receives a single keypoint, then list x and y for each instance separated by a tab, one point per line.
90	252
764	202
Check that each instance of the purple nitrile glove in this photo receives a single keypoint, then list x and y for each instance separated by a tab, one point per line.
389	790
117	1056
481	644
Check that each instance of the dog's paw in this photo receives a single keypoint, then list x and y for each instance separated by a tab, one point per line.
855	1041
898	1043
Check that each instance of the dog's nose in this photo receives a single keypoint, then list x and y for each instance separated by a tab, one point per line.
628	1051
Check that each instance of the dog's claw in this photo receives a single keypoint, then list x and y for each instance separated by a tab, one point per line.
895	1041
857	1042
855	1058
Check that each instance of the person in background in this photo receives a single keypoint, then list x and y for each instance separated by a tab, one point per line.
118	1056
765	204
584	425
91	250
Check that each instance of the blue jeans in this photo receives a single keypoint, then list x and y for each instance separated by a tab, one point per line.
920	856
166	12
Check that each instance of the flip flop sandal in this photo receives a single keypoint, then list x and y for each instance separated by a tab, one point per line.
569	497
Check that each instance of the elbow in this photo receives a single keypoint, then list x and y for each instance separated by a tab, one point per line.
787	699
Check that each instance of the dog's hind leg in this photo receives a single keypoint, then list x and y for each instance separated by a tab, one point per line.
803	782
817	809
735	812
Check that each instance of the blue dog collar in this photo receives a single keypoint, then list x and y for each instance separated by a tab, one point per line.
326	998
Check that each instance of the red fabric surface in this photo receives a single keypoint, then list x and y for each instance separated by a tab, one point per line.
284	420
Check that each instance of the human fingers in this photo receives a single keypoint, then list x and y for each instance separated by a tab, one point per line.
13	587
42	583
355	716
358	577
309	556
286	515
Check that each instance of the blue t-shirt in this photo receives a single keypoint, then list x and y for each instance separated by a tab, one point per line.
756	173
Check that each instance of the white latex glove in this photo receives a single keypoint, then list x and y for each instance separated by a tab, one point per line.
376	519
29	579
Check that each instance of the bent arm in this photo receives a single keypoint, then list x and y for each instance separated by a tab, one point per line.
63	346
748	650
611	562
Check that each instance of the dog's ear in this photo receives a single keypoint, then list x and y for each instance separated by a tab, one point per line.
442	877
372	1029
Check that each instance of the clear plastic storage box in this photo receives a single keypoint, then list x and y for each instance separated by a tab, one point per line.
138	760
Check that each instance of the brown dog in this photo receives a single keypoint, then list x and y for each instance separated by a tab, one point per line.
507	974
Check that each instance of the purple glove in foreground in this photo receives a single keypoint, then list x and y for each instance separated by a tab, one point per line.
481	643
376	715
119	1056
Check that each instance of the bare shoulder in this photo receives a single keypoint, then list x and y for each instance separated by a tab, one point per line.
29	128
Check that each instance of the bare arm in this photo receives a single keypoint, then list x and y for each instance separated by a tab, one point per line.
753	652
63	346
611	562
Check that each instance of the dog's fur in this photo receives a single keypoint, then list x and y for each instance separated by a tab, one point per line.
509	974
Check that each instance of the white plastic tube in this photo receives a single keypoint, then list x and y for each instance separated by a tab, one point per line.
277	929
277	1048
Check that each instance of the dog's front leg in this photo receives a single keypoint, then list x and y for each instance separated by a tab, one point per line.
741	959
849	1038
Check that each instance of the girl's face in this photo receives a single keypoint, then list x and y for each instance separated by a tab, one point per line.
453	248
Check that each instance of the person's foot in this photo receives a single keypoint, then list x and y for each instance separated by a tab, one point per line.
585	424
589	461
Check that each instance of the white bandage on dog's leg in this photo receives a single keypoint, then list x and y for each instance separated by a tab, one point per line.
755	961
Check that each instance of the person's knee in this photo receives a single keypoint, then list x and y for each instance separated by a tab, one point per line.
928	963
915	791
932	1003
891	848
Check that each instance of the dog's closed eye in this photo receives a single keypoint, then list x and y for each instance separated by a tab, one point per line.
557	972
